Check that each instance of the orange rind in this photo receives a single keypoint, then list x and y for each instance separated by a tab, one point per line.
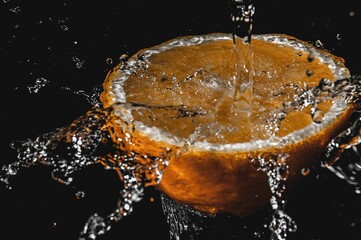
171	101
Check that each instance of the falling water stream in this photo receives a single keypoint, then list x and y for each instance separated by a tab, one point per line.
242	18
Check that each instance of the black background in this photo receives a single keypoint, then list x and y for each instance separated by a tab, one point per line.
41	39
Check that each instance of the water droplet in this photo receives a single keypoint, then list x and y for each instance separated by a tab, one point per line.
15	9
78	63
64	28
39	83
123	58
109	61
257	234
241	16
317	116
319	44
325	84
63	25
80	194
305	171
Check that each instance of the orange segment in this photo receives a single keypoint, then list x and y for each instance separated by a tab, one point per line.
175	101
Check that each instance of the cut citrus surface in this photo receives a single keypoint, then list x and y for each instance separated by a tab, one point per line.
175	101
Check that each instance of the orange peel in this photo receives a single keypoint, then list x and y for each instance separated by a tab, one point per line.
213	174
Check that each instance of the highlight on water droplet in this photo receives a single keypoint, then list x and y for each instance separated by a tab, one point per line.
80	194
319	44
257	234
305	171
310	57
16	9
78	63
309	73
109	61
317	115
63	25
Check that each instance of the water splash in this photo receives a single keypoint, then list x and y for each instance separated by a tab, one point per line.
93	97
345	88
184	221
15	10
276	169
39	83
346	146
78	62
87	141
83	143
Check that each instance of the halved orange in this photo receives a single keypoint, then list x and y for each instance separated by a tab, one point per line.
174	101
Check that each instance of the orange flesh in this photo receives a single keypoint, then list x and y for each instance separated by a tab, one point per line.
167	82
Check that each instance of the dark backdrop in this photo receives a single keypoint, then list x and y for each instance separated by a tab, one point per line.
47	39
